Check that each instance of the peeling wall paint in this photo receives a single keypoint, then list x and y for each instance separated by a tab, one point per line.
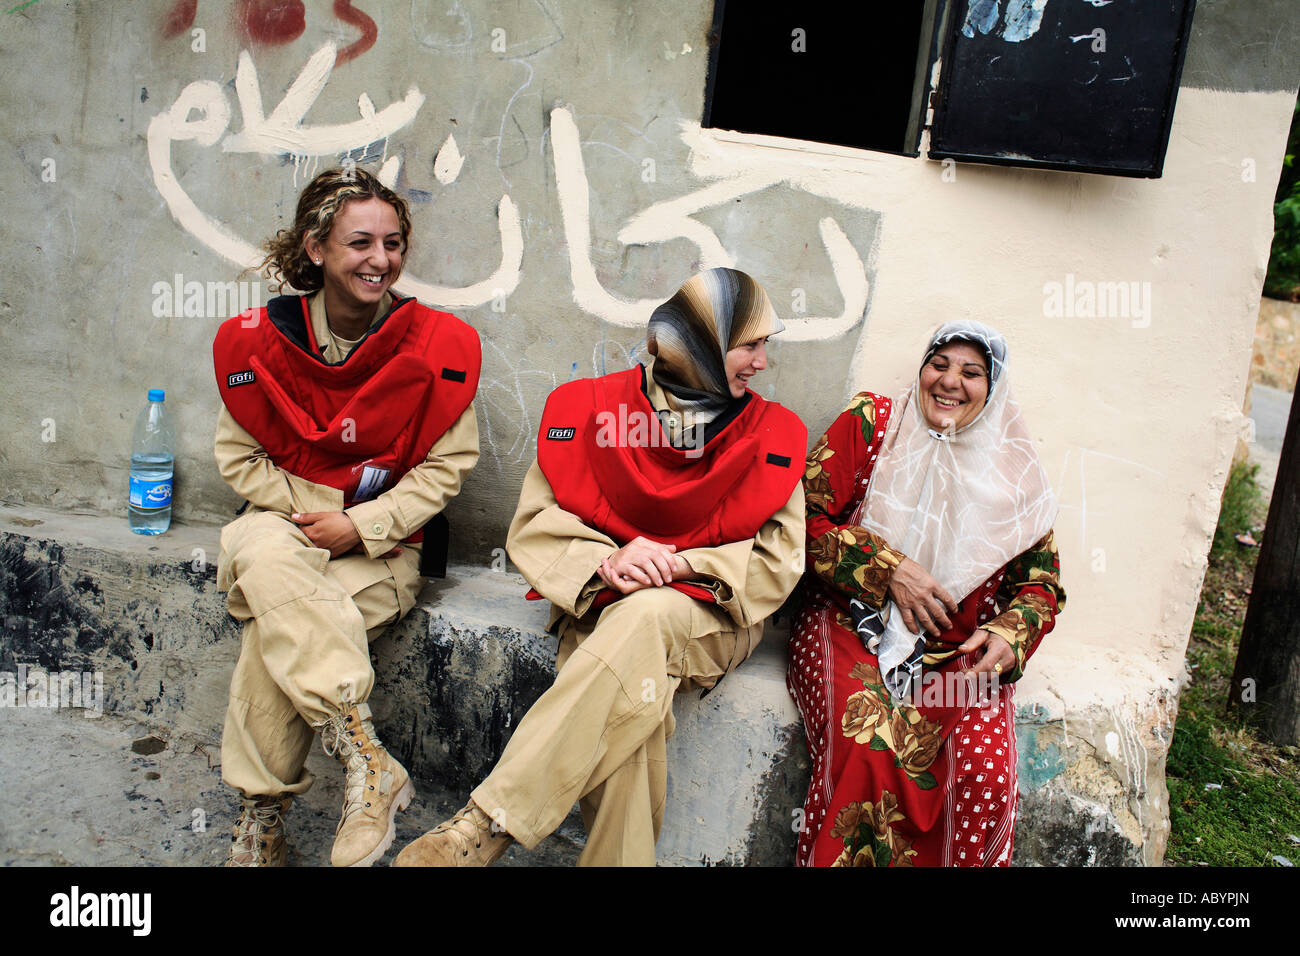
1021	20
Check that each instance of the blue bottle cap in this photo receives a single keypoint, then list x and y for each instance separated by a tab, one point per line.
157	395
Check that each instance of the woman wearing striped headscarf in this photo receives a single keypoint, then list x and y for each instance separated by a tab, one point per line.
662	520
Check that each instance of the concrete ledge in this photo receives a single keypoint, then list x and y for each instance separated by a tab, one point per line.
460	673
82	593
1092	733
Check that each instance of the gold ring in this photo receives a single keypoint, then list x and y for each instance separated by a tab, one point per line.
997	668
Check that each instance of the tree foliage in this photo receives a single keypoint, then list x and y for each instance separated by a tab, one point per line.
1283	279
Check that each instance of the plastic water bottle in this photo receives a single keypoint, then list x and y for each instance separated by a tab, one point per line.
151	468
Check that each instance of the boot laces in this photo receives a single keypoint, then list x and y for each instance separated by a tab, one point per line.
467	826
256	819
336	741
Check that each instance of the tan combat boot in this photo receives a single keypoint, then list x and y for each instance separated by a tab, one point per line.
258	838
467	839
377	786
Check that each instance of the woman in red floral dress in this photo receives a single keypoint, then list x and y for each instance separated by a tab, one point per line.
934	576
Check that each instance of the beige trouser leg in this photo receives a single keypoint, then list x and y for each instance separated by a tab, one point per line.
598	735
308	620
624	814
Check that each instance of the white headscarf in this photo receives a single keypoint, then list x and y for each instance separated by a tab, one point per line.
961	504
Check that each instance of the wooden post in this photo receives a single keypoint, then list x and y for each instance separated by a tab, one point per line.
1266	680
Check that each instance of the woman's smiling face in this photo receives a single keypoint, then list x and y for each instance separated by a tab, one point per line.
954	386
743	363
362	256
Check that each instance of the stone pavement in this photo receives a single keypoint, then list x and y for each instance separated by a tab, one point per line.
1270	408
79	795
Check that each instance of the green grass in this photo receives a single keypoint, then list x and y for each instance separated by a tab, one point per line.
1250	815
1243	507
1246	822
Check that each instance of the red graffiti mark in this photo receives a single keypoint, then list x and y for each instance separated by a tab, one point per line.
344	10
179	18
276	22
270	22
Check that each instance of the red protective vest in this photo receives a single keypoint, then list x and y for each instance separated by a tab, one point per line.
608	461
358	426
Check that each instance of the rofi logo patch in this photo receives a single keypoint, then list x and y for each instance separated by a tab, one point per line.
559	434
240	378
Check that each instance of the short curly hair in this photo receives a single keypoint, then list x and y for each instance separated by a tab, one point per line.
287	262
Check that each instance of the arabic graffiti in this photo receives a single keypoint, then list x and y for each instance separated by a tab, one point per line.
671	219
283	132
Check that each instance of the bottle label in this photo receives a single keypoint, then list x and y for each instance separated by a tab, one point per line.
151	494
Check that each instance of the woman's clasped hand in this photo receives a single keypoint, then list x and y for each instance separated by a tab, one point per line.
921	599
925	605
642	563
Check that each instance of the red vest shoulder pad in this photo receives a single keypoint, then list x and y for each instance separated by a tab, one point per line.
608	461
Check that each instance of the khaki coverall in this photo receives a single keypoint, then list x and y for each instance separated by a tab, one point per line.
308	619
598	734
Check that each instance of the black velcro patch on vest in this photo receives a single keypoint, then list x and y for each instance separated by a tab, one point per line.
559	434
453	374
245	377
782	460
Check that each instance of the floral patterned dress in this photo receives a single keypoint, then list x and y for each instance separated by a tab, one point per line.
895	784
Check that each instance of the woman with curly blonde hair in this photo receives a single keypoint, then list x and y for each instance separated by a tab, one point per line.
934	577
347	424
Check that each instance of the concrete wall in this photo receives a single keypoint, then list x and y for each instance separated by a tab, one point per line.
562	186
523	166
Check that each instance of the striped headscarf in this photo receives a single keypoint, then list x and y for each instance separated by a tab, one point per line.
691	334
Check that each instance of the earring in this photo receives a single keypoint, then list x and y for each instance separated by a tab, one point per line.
317	261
